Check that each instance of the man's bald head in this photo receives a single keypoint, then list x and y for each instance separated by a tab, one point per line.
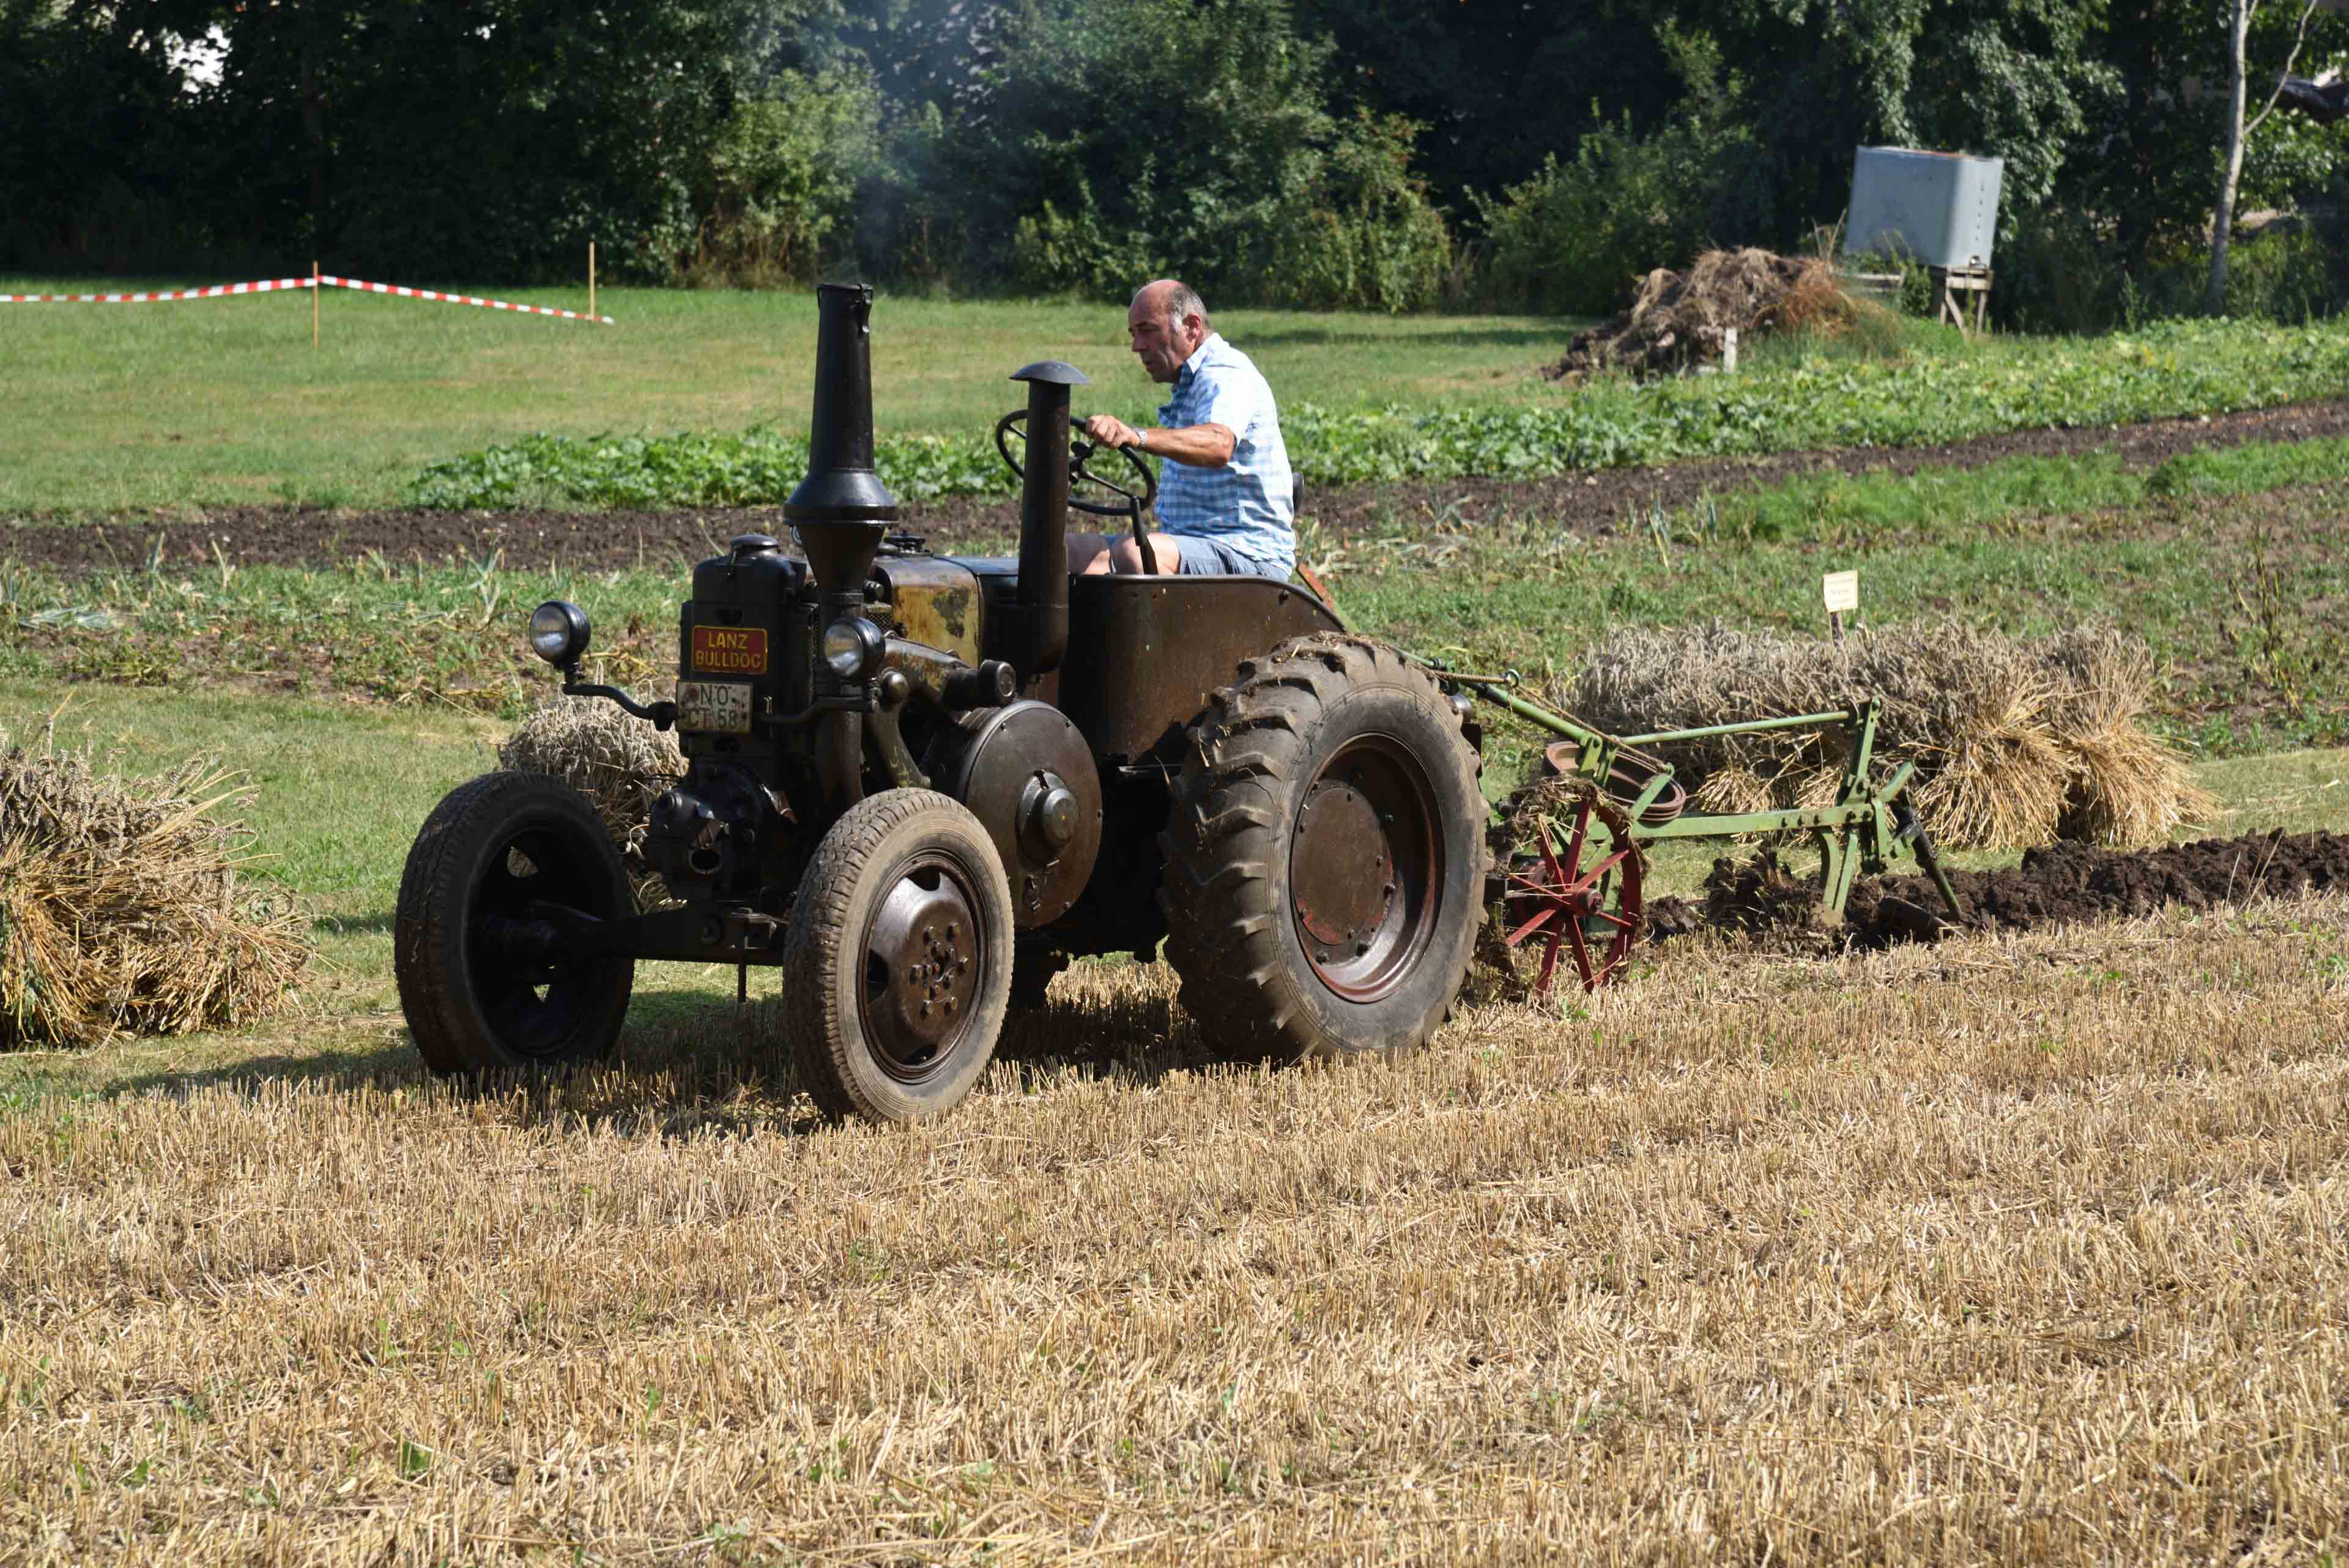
1172	299
1166	323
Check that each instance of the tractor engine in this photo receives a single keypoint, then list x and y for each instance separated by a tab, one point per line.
744	658
807	683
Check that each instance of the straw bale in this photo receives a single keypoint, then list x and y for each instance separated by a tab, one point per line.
2014	742
2130	788
620	763
120	907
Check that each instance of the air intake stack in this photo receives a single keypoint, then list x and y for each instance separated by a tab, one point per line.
1039	620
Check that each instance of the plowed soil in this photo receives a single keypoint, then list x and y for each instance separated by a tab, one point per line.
2064	884
1590	504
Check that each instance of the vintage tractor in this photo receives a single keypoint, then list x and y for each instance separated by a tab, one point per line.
919	784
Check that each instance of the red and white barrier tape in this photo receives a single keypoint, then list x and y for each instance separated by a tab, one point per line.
273	285
267	287
332	282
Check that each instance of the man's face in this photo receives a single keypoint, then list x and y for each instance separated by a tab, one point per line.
1160	342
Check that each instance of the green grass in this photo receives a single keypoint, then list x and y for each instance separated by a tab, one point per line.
1841	507
221	402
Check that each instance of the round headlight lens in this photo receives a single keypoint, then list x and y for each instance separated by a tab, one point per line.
558	631
852	647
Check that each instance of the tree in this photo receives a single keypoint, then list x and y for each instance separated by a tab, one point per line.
2014	77
1500	85
2231	158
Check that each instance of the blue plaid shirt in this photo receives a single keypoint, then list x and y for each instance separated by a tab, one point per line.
1249	504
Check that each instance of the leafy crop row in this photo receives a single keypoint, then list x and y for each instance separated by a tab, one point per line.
2181	368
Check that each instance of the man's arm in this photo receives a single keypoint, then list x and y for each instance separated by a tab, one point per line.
1200	446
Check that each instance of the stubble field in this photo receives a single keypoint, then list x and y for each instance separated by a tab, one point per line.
2005	1250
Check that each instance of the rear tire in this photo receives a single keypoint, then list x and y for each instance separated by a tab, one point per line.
1325	856
491	849
898	970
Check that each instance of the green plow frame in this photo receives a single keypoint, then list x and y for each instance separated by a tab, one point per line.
1862	831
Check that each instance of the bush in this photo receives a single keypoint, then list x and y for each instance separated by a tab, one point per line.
1363	235
783	176
1574	239
1109	141
1079	251
2058	273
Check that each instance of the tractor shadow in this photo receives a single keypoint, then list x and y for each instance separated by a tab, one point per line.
691	1063
355	925
334	1070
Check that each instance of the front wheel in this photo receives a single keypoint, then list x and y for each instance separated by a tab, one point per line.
483	977
1325	856
897	971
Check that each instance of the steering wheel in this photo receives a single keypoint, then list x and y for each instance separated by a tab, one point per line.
1132	502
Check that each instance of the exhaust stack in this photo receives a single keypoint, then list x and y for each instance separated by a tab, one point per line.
842	509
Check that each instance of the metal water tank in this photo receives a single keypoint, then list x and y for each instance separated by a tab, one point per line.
1938	207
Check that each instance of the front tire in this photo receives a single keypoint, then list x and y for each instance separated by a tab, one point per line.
480	999
1325	856
898	970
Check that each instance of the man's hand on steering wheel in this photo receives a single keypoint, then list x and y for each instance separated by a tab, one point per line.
1111	431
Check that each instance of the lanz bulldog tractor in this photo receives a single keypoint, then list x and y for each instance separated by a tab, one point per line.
919	784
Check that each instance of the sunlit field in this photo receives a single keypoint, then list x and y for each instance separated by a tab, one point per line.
194	403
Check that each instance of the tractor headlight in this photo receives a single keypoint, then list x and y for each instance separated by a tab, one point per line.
852	646
558	632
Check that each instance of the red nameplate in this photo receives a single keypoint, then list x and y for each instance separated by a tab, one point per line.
729	649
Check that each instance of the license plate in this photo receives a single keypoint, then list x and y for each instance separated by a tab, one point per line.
714	705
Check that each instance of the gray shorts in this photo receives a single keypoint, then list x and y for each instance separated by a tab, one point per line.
1206	556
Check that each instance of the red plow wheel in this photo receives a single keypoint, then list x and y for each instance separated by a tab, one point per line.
1579	894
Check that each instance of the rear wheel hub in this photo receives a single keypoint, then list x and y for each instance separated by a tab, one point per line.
1363	867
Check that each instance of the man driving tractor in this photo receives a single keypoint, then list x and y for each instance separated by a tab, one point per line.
1226	497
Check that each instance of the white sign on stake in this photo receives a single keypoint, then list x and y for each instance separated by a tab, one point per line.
1842	591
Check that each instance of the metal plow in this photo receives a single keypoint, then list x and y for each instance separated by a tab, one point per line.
1572	881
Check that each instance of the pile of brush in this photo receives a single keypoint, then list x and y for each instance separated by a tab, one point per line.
1679	321
621	765
2015	743
121	908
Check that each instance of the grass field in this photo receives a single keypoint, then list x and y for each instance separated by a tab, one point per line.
203	403
219	401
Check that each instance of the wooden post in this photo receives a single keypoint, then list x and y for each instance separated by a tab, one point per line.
314	305
591	280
